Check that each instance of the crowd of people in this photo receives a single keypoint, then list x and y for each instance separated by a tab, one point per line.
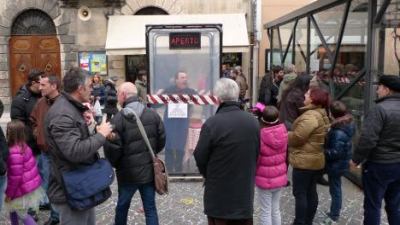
54	131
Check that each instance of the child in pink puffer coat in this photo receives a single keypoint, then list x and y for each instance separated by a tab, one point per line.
23	186
271	173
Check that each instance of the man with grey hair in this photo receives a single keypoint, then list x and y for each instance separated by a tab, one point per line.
70	143
128	153
226	156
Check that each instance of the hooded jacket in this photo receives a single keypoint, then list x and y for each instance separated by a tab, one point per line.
23	175
128	153
271	165
338	145
286	81
307	139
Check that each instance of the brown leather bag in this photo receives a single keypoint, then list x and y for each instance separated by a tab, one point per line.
160	171
160	176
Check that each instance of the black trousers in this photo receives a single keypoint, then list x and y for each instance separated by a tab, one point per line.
305	194
216	221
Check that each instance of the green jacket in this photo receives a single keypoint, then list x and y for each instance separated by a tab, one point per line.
142	90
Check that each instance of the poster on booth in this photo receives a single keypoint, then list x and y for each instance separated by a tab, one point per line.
177	110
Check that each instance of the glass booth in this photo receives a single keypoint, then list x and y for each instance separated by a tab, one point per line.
347	44
184	64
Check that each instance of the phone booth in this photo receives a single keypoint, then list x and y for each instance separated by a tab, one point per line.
184	64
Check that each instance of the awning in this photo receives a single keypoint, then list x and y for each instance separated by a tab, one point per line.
126	34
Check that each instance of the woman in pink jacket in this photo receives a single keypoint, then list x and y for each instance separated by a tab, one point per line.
271	174
23	186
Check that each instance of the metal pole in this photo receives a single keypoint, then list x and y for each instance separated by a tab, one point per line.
256	49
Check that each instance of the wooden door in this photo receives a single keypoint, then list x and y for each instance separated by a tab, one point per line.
28	52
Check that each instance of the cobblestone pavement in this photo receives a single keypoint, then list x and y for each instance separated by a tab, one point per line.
184	206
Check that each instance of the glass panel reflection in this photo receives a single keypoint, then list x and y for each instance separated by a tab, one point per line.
276	49
301	45
351	56
329	22
286	32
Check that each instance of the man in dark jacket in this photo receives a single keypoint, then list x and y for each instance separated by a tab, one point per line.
269	87
23	103
110	106
379	151
70	143
177	127
226	156
135	168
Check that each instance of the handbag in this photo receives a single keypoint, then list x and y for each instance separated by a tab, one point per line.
160	171
97	108
88	186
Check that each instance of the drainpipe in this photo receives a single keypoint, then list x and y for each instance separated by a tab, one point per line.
257	27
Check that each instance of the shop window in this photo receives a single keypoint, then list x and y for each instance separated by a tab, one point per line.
232	59
134	63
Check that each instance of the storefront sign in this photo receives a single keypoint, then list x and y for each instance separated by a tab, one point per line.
185	40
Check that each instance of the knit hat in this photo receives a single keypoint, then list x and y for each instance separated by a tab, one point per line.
390	81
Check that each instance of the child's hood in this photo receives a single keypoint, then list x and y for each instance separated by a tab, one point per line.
275	137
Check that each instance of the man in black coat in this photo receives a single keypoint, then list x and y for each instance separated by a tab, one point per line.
226	156
379	151
23	103
129	154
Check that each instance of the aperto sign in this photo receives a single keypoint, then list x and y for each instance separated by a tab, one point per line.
185	40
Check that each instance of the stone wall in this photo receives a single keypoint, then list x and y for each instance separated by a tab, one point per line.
76	35
62	18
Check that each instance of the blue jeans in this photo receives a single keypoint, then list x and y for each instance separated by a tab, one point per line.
381	181
2	188
125	194
335	189
43	162
44	170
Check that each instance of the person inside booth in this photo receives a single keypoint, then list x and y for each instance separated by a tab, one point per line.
176	122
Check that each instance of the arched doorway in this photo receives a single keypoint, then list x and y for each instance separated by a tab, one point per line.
151	10
33	44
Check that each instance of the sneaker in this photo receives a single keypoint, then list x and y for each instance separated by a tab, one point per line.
329	221
33	214
44	207
52	222
322	181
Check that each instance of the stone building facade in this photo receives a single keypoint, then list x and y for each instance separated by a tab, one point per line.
77	34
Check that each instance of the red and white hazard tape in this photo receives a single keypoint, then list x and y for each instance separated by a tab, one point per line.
180	98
